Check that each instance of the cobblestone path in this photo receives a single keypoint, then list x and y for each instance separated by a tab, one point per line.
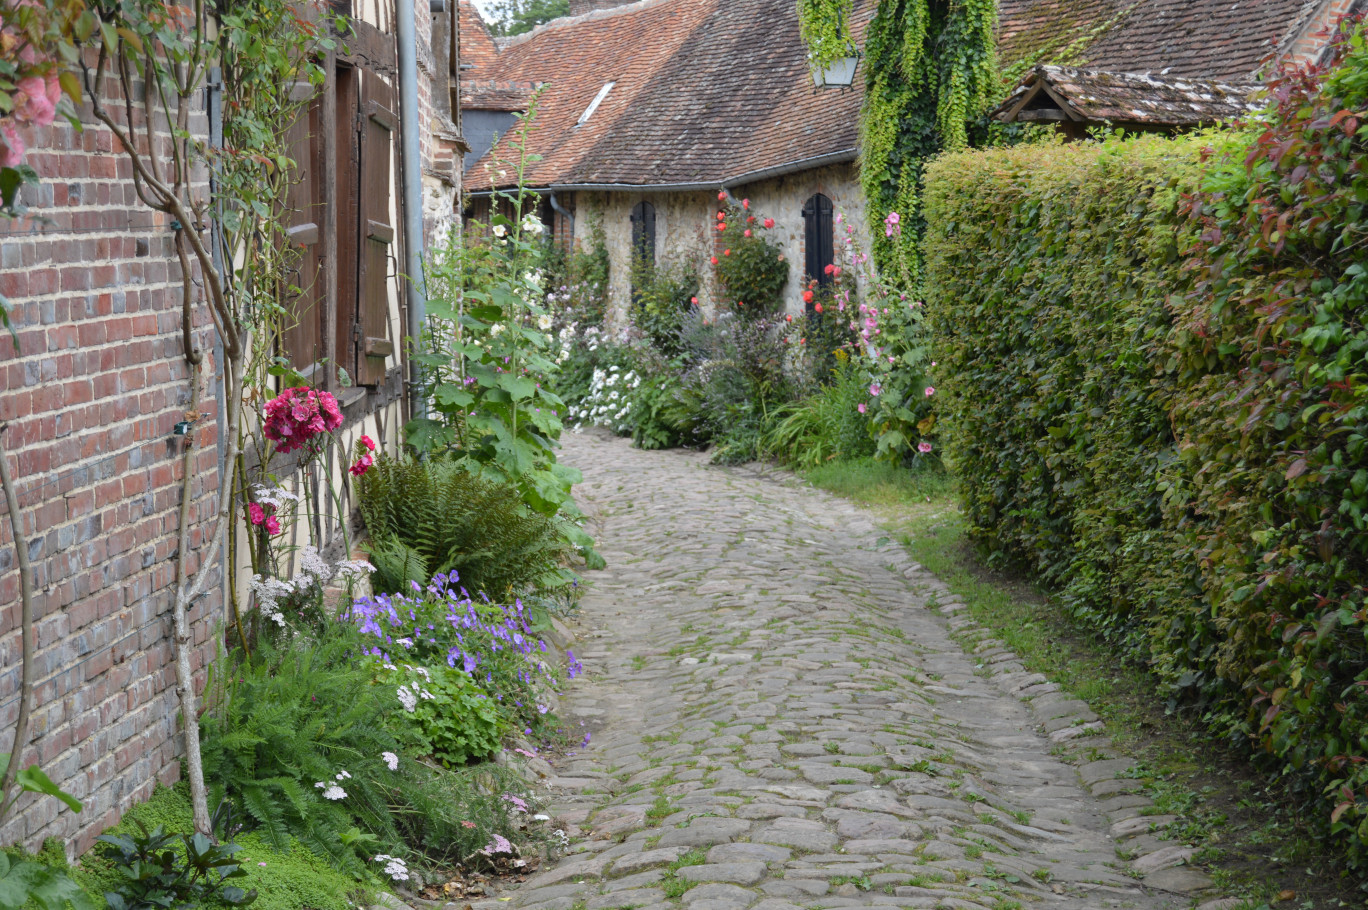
787	712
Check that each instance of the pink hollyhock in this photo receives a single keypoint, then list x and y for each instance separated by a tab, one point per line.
860	407
930	390
923	447
891	224
875	389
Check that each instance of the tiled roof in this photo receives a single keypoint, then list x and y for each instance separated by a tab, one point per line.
496	96
1199	39
704	91
479	55
1090	95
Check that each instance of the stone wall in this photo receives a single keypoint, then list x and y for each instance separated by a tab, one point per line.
685	232
91	397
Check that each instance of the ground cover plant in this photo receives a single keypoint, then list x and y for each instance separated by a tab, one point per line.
1153	401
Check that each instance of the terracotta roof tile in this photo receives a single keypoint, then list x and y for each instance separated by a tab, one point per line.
720	89
496	96
1123	97
478	51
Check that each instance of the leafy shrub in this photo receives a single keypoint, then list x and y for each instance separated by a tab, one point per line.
1155	398
453	719
300	742
662	297
752	271
435	517
157	876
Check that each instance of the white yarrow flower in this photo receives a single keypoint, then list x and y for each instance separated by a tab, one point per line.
391	760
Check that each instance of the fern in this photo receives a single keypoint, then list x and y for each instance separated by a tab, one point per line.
431	517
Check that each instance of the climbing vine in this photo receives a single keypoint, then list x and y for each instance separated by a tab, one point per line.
930	69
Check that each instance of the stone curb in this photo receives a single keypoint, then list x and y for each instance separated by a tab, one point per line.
1069	722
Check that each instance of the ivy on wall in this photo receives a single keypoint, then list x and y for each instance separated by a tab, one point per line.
930	69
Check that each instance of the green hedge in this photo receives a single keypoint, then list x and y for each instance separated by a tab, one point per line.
1155	395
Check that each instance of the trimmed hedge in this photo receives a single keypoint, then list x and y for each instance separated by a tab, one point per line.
1155	396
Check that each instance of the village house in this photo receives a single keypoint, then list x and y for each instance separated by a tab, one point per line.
640	144
95	396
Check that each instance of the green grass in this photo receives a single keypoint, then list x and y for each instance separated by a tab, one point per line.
878	482
284	881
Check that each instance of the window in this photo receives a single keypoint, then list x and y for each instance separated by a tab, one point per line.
818	241
643	234
593	105
341	313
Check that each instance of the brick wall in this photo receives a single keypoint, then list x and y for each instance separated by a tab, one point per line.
91	397
1310	42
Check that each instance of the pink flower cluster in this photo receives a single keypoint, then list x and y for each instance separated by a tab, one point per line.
296	416
260	516
33	100
363	464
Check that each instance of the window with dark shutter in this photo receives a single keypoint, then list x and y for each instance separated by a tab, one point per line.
376	232
818	239
643	242
302	336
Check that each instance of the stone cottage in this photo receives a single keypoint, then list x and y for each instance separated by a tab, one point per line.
644	141
96	385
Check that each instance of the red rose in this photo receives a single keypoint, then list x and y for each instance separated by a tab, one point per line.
726	252
818	308
693	300
721	225
747	232
722	196
807	297
721	215
714	260
830	269
788	318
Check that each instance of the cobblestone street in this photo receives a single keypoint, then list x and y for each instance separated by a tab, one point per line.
787	712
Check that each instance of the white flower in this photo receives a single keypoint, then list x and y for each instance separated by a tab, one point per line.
499	229
343	775
268	593
354	568
391	760
313	569
532	225
273	496
495	329
395	868
331	791
544	321
408	699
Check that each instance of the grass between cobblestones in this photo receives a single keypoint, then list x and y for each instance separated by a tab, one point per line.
1249	835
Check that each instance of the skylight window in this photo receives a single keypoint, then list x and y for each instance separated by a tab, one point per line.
593	105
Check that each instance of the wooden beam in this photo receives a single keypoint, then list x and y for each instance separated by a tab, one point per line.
327	273
1042	114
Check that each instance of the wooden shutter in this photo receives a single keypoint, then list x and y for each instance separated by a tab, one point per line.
644	232
376	229
818	240
302	341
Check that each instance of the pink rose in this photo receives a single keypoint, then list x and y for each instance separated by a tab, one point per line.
256	512
272	525
32	103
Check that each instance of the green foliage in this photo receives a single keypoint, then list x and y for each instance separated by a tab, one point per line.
751	269
1155	399
296	723
824	26
515	17
455	721
662	297
156	875
825	426
930	69
284	879
426	517
24	883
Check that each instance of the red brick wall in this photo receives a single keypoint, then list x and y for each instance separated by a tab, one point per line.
1316	33
91	398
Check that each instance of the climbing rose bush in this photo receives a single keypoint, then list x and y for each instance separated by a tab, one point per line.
296	416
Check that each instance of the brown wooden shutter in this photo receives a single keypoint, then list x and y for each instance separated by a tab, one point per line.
376	234
303	339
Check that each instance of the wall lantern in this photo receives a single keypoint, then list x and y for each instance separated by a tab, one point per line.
840	73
